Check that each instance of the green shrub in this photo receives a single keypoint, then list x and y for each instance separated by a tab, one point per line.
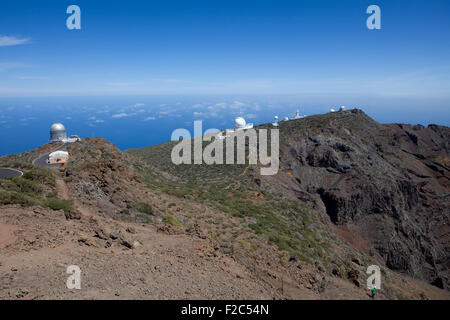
58	204
41	175
27	186
52	194
125	211
169	219
144	208
13	197
5	197
144	217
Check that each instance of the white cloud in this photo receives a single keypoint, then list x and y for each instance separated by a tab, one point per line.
119	115
214	115
134	106
123	84
103	111
5	66
99	121
221	105
123	115
6	41
172	80
237	104
149	118
32	78
27	119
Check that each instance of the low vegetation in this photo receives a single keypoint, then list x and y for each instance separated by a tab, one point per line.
290	226
144	208
34	188
59	204
173	221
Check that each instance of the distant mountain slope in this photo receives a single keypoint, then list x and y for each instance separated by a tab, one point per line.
383	188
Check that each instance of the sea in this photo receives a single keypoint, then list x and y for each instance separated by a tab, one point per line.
141	121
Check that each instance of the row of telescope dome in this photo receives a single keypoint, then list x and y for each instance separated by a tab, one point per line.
58	131
241	124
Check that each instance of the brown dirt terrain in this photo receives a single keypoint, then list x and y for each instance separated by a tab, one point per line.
162	266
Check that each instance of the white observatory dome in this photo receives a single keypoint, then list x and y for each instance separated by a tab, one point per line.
57	132
239	123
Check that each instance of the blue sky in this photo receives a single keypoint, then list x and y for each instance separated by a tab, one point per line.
225	47
213	60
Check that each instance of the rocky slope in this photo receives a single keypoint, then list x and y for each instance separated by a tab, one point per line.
350	193
387	183
382	188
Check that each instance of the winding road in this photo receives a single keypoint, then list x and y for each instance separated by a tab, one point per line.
10	173
40	162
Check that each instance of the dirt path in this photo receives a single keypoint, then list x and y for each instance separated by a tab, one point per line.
64	193
7	234
62	189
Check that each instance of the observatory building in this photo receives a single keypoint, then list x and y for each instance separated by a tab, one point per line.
58	132
275	123
239	124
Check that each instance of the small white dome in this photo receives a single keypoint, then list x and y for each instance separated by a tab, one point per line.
239	123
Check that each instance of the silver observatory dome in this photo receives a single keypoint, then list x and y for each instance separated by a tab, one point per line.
57	132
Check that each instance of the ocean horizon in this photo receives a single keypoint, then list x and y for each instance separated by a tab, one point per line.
140	121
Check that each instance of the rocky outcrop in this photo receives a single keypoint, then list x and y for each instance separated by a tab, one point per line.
389	181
